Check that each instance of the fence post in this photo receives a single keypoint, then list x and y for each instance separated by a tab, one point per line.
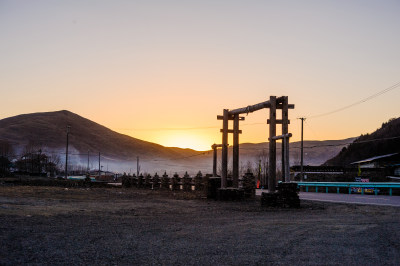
165	181
175	182
198	181
134	180
156	181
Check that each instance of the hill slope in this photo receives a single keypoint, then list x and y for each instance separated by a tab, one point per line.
48	130
384	140
315	152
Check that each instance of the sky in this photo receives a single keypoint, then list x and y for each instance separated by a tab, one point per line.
162	71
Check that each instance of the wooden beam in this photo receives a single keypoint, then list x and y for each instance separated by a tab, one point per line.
256	107
230	131
290	106
250	108
230	117
278	121
284	136
214	146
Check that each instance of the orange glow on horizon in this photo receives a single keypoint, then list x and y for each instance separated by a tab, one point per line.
184	140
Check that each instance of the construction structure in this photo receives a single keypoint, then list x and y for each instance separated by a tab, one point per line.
214	147
274	104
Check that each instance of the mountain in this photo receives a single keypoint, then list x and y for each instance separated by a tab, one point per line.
384	140
47	131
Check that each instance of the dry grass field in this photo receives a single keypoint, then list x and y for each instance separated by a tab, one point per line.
103	226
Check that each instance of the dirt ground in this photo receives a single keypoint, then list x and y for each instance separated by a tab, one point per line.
103	226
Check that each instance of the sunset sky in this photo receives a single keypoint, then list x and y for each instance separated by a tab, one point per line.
161	71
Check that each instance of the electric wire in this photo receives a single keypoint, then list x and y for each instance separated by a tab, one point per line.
242	148
185	128
395	86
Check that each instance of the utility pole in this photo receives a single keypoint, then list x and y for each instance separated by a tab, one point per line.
259	174
88	169
40	162
137	166
66	154
301	157
99	167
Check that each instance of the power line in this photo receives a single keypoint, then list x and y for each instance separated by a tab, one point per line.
328	145
181	158
312	130
395	86
185	128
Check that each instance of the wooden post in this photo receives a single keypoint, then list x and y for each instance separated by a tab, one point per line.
235	170
214	147
224	173
287	166
272	145
285	142
214	160
283	166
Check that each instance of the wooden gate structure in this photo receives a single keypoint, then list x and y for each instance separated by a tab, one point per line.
273	104
214	147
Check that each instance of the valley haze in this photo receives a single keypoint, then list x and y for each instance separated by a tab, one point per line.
119	152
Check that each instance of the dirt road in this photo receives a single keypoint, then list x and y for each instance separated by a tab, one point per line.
50	225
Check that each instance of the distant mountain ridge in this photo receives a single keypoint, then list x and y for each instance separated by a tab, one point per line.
49	130
385	140
315	152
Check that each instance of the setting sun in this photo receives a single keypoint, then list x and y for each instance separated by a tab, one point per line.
185	140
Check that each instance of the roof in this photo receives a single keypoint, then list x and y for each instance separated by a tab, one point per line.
374	158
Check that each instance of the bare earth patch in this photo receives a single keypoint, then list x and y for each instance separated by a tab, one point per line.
102	226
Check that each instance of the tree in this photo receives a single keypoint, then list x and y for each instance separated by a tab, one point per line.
53	164
263	162
6	154
35	161
5	164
